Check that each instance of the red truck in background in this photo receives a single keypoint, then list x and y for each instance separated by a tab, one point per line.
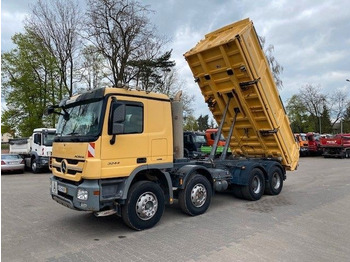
210	135
337	146
314	145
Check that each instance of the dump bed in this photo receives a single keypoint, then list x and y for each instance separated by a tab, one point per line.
19	146
230	67
340	140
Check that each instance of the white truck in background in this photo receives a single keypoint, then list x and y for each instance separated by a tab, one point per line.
35	150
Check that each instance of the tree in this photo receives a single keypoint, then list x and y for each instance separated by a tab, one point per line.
122	32
338	105
275	66
92	67
346	120
151	73
313	101
58	24
297	115
29	78
190	123
203	122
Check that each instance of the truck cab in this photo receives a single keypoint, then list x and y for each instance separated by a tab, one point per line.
314	145
36	150
193	142
211	134
303	143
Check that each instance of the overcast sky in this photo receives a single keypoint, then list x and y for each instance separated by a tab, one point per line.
311	37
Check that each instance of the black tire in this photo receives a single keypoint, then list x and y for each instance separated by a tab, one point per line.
274	184
347	153
34	166
237	191
195	198
145	205
256	185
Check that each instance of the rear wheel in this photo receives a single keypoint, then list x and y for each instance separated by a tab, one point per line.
144	206
274	184
195	198
256	185
237	191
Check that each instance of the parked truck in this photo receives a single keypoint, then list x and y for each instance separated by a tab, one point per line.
337	146
303	143
120	151
193	142
36	149
313	142
211	134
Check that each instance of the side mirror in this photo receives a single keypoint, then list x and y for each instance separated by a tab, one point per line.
49	110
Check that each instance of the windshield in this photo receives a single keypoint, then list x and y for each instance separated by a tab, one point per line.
200	139
84	119
303	137
48	139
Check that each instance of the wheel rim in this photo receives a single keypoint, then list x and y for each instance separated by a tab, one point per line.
33	166
256	185
276	181
198	195
146	206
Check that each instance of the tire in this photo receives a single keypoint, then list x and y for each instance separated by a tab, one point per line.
34	166
237	191
144	206
256	185
195	198
274	184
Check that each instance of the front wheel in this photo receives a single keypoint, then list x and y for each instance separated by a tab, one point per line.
34	166
144	206
195	198
256	185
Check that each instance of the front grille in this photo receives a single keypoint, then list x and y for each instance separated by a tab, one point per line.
73	166
70	161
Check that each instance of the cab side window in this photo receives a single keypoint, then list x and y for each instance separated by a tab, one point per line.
134	119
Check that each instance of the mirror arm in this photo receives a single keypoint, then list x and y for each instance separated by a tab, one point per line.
112	141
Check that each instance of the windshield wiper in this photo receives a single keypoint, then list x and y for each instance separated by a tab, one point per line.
73	133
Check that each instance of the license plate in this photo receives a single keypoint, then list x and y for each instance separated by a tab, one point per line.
54	187
62	189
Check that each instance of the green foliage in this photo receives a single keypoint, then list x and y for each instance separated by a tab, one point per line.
297	115
29	76
309	111
346	120
326	123
150	71
203	122
190	123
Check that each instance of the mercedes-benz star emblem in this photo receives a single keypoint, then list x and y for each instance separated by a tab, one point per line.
64	166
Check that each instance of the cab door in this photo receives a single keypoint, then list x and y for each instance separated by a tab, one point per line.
130	148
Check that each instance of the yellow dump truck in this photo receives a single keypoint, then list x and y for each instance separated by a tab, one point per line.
120	151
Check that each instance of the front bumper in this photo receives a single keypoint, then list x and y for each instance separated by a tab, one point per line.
101	194
19	167
43	162
66	194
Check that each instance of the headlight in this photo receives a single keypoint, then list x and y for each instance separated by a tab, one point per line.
82	194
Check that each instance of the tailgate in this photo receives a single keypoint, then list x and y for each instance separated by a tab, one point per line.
229	62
